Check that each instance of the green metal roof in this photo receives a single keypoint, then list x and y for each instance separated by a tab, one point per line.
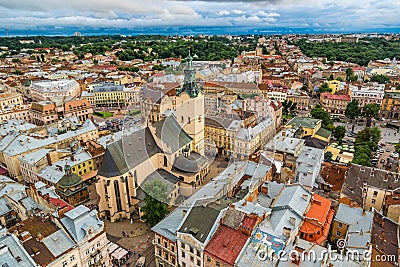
171	133
324	133
303	122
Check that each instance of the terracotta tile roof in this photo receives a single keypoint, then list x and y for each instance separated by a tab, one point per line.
61	203
226	244
335	97
249	222
318	217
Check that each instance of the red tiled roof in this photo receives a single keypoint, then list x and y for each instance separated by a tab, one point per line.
226	244
249	222
319	217
61	203
335	97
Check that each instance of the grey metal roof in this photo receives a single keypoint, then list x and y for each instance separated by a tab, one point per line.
79	219
295	197
169	225
127	153
58	243
359	176
171	134
24	143
15	125
34	157
359	219
12	249
284	144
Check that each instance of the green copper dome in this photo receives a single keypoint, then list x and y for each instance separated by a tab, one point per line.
70	179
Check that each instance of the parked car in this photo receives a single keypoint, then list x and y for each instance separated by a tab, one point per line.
383	161
387	149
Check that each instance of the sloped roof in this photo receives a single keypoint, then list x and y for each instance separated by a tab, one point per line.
226	244
171	133
128	152
69	180
323	132
303	122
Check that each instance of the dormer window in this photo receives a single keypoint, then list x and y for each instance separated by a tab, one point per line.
90	231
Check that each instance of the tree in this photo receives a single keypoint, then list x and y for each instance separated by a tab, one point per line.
328	156
369	136
375	134
380	78
323	88
319	113
398	87
339	132
156	201
352	110
331	78
349	73
397	147
371	111
288	107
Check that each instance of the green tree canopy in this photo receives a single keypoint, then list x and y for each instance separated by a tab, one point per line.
156	201
371	110
380	78
319	113
349	73
352	110
370	136
339	132
328	156
288	106
323	88
397	147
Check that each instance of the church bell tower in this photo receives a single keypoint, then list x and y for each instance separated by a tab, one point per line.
190	107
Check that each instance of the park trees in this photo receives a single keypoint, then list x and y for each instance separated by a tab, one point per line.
319	113
366	143
371	111
324	88
156	201
380	78
339	132
352	110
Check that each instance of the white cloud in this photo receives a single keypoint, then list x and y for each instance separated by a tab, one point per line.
223	13
321	14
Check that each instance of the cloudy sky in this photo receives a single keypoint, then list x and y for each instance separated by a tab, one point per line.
317	15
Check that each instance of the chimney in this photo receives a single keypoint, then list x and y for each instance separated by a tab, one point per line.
39	237
49	161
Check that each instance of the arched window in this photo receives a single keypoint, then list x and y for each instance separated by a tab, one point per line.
127	190
117	195
165	161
